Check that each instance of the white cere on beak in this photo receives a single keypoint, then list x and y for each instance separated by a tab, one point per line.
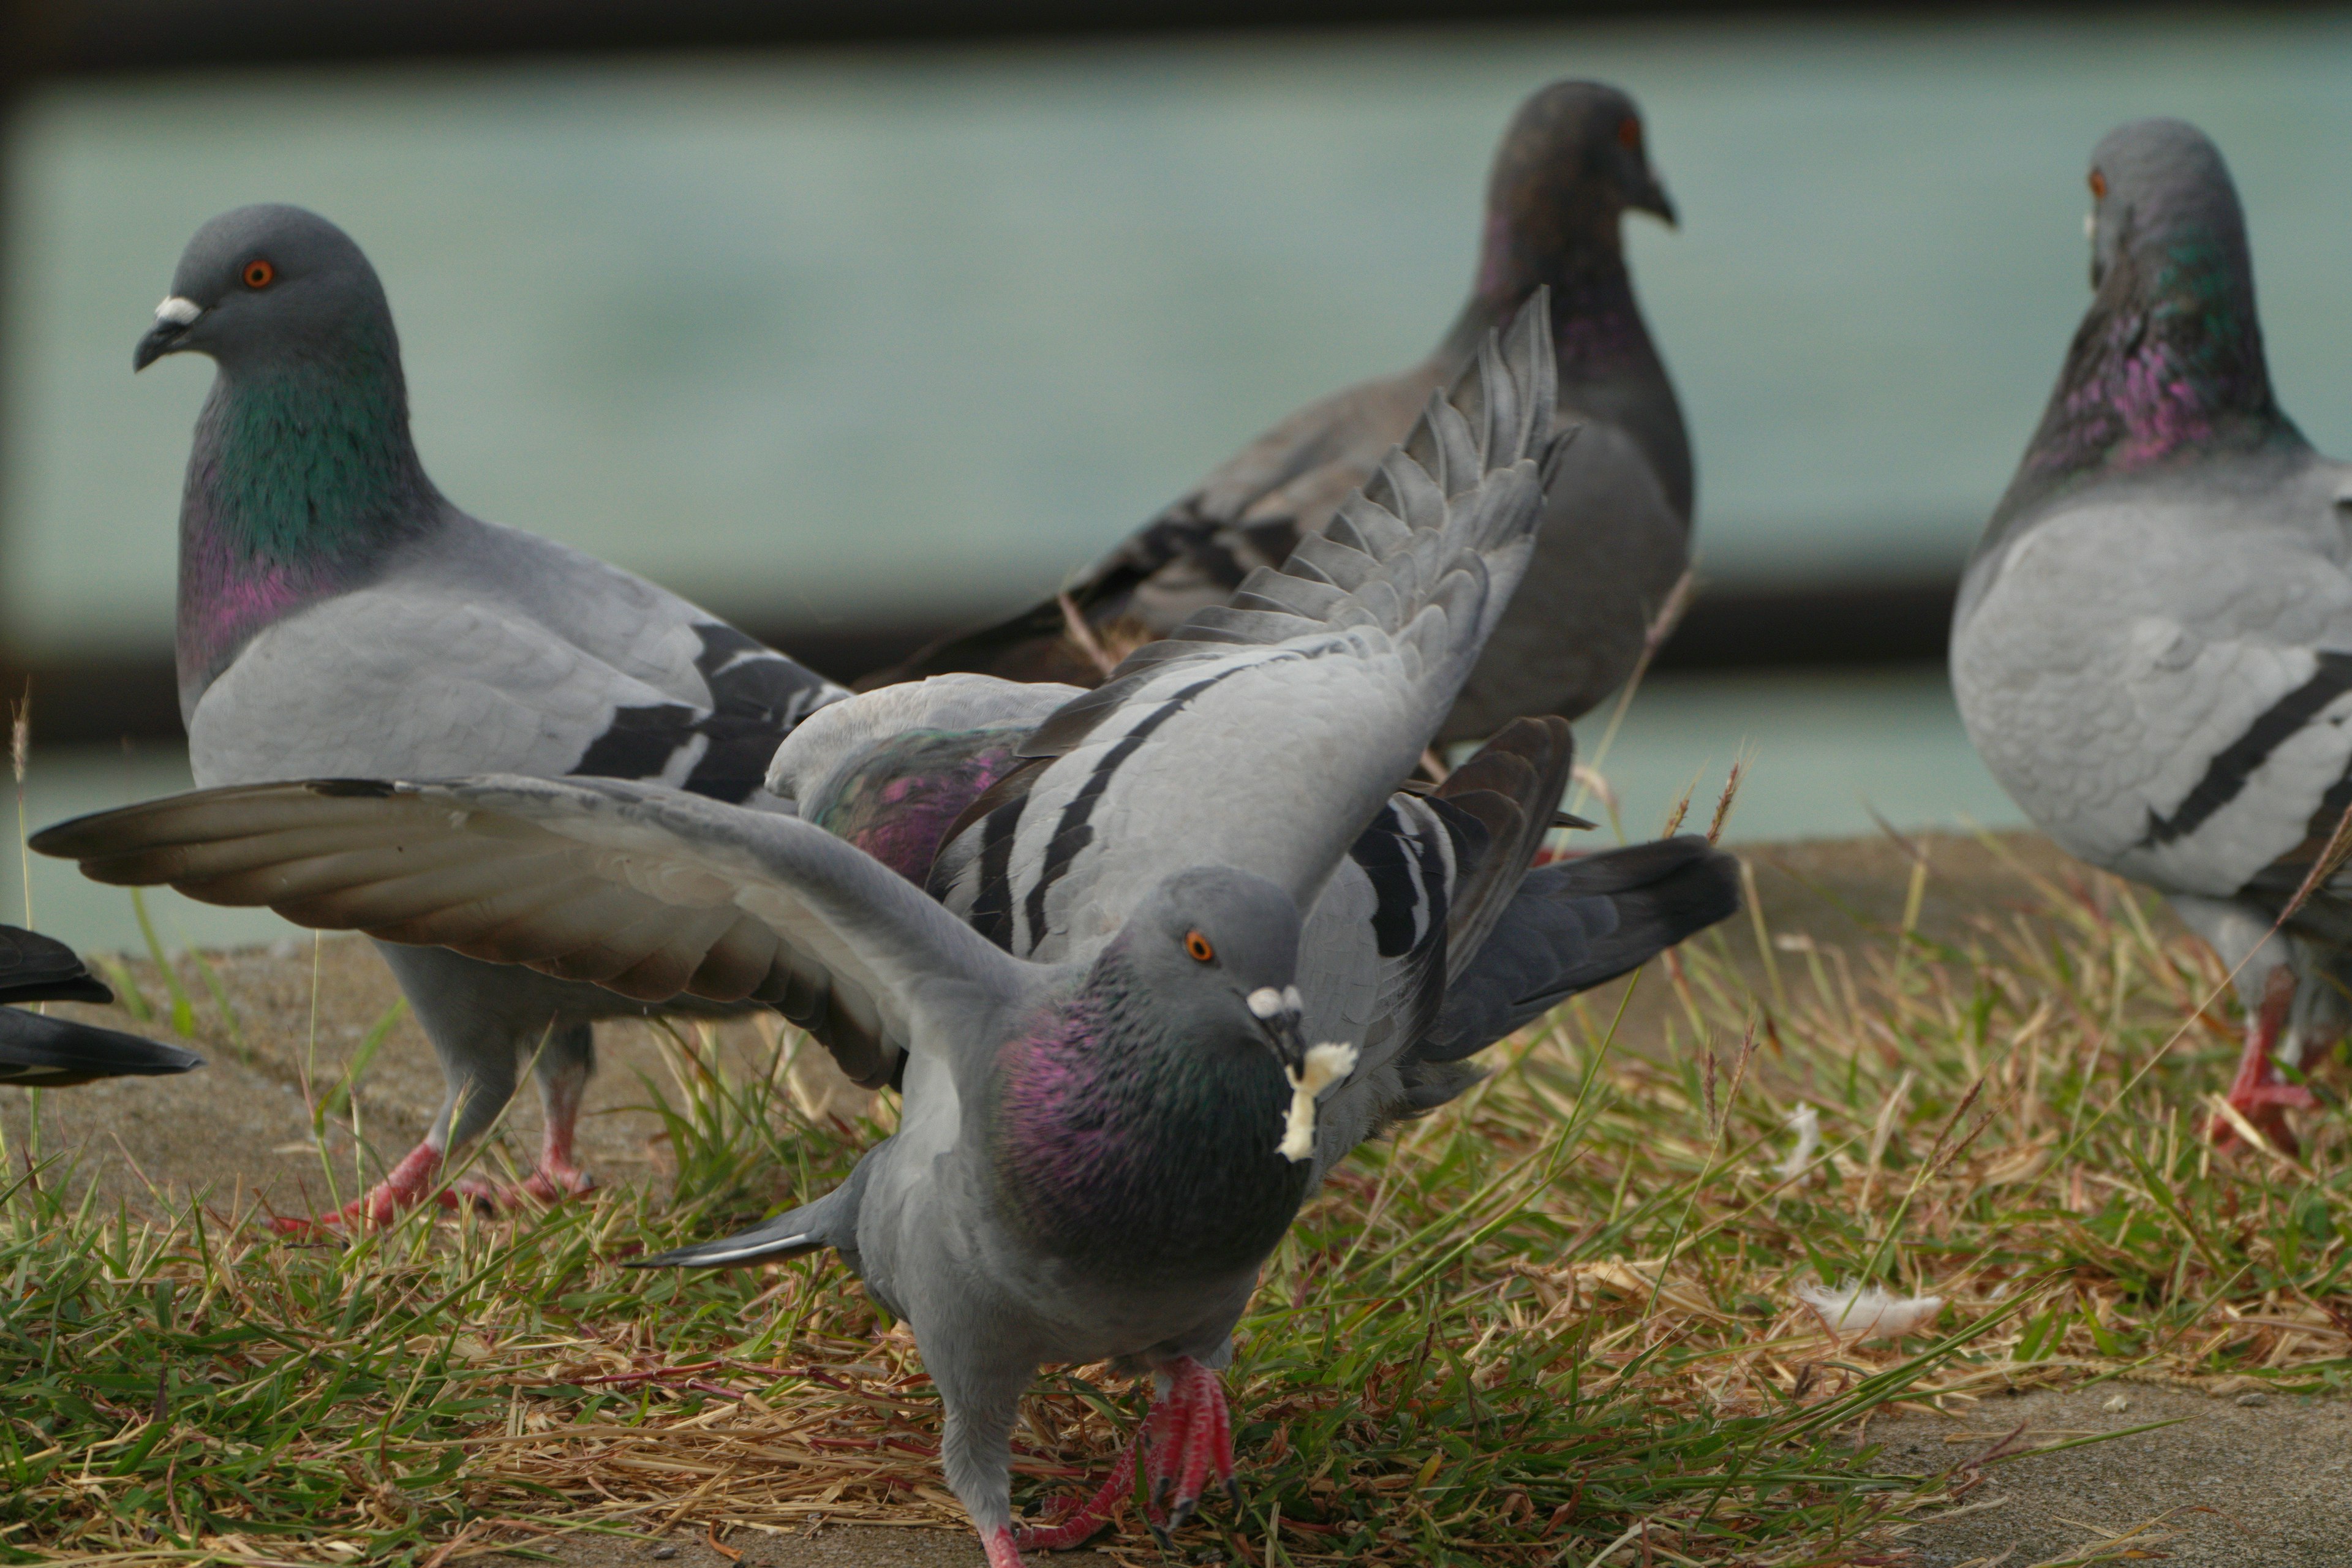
1327	1063
1265	1001
2090	225
178	311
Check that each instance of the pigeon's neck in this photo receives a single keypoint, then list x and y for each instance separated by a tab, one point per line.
1609	368
1142	1156
897	803
2167	368
302	480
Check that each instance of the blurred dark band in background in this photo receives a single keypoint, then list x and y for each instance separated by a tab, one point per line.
101	700
85	37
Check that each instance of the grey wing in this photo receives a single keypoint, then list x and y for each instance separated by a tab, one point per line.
1438	875
2165	688
1267	732
1253	509
839	738
645	890
415	677
1610	554
1249	513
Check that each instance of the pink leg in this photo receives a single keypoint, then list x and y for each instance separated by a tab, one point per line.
1188	1435
559	1176
1003	1551
2260	1093
560	1091
404	1188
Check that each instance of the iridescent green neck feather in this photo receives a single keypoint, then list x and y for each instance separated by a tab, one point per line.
302	480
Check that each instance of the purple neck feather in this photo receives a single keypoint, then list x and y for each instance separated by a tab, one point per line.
1142	1154
2167	367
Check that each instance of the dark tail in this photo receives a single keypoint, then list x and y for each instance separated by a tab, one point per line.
830	1221
51	1053
33	968
1576	923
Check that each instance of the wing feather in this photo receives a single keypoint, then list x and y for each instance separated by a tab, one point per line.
647	891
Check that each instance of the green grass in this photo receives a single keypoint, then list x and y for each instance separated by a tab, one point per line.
1555	1316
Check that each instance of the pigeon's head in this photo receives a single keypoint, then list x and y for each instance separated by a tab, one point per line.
265	284
2160	186
1574	162
1214	953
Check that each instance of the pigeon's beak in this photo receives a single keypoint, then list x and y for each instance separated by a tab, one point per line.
1279	1014
173	317
1652	198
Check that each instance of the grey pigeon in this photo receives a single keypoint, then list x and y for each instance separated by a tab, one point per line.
1178	882
1617	541
339	616
2153	643
39	1052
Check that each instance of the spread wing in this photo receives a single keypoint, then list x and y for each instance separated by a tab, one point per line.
643	890
1267	734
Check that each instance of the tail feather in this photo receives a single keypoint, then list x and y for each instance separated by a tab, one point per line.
1575	924
36	1052
830	1221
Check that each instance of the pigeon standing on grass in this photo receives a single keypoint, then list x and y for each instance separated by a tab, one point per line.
338	617
39	1052
2153	645
1177	883
1617	541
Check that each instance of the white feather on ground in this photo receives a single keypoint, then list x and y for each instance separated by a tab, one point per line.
1806	1124
1869	1312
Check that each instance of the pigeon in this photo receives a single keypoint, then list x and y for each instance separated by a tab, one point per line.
1103	1001
1618	541
2152	647
39	1052
339	615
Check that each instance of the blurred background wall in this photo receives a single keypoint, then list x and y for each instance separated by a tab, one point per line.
858	340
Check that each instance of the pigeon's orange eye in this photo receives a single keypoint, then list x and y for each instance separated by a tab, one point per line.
259	274
1198	946
1629	134
2098	186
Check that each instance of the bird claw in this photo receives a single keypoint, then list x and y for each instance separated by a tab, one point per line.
1188	1434
404	1186
2262	1094
411	1182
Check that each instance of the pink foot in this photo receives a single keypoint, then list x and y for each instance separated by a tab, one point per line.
1070	1524
404	1188
1188	1434
559	1176
2261	1093
553	1183
1003	1551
